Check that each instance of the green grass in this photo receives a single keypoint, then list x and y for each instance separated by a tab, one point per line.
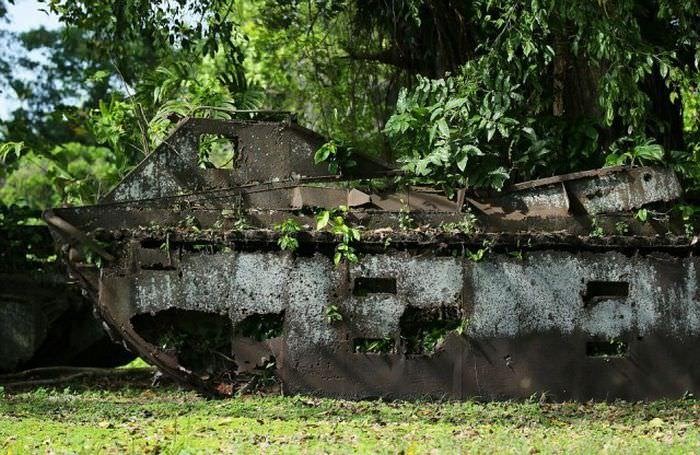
167	420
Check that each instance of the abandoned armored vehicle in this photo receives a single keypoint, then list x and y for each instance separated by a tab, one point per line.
348	285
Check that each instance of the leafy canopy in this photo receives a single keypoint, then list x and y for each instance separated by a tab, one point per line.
460	93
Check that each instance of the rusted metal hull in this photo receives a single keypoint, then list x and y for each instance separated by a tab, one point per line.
554	365
535	325
559	291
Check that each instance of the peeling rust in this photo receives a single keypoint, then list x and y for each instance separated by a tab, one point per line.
491	295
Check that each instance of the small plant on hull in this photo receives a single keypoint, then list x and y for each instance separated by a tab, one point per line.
463	327
622	228
688	216
517	254
596	229
468	224
480	254
261	327
476	256
406	222
337	155
333	314
190	223
289	229
93	252
384	345
424	330
334	220
235	218
642	215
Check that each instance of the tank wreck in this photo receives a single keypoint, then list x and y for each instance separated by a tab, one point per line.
579	286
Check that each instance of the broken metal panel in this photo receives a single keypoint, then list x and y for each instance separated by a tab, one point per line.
605	191
268	150
551	201
265	151
414	200
624	191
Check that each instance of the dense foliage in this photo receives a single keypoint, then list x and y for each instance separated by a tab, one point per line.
551	87
475	93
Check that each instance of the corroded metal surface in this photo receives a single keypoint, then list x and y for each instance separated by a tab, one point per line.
492	295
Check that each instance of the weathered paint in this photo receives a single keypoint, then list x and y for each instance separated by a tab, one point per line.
617	192
544	293
502	298
508	297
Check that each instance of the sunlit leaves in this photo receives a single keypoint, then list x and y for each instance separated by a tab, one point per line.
69	174
324	152
334	221
647	153
9	149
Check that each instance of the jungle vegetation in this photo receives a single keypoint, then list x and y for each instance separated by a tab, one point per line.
475	93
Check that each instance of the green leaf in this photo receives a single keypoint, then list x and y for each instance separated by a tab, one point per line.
454	103
649	152
462	163
8	148
324	152
99	76
422	167
497	177
642	215
529	131
322	219
435	114
443	128
473	150
489	134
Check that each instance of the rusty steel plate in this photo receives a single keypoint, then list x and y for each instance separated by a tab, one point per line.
551	287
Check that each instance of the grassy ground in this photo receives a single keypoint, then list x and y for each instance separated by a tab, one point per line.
104	417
